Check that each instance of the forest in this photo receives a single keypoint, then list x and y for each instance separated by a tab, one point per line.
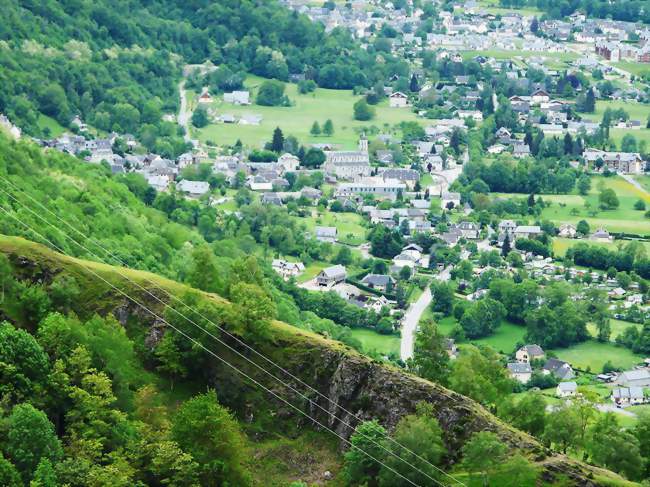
626	10
117	64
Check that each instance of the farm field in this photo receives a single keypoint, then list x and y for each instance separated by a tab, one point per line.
371	340
297	119
593	355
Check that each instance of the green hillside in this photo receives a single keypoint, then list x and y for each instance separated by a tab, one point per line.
132	387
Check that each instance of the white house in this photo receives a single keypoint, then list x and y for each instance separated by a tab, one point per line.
520	371
567	230
325	234
331	276
540	96
447	198
398	100
566	389
237	98
289	162
527	231
287	269
628	396
193	188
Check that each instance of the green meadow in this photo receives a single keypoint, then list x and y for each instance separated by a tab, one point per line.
572	209
637	111
350	226
298	118
373	341
593	355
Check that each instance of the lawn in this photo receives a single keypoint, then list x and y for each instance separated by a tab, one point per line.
593	355
312	271
350	226
297	119
503	340
371	340
515	54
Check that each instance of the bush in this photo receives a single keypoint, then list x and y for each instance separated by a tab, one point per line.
306	86
363	111
271	94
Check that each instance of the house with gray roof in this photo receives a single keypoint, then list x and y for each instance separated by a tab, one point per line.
566	389
331	276
635	378
560	369
521	372
628	396
325	234
380	282
528	353
193	189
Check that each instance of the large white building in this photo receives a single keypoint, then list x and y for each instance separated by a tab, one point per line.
382	188
347	164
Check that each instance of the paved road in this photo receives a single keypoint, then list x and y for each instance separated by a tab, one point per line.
410	323
183	114
610	408
414	313
634	182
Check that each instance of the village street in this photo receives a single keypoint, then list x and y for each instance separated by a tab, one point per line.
413	315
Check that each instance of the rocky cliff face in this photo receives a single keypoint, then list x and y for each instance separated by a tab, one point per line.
363	388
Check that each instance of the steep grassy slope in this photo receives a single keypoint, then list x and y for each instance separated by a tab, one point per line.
365	388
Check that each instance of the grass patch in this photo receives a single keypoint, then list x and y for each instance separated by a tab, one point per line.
373	341
45	122
637	69
593	355
278	462
503	340
617	326
297	119
350	226
571	208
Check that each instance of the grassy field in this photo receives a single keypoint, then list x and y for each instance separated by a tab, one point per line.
47	122
637	111
624	219
618	327
349	225
593	355
637	69
371	340
504	340
644	181
297	119
561	245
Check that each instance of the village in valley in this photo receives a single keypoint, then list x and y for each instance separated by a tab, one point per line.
497	185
